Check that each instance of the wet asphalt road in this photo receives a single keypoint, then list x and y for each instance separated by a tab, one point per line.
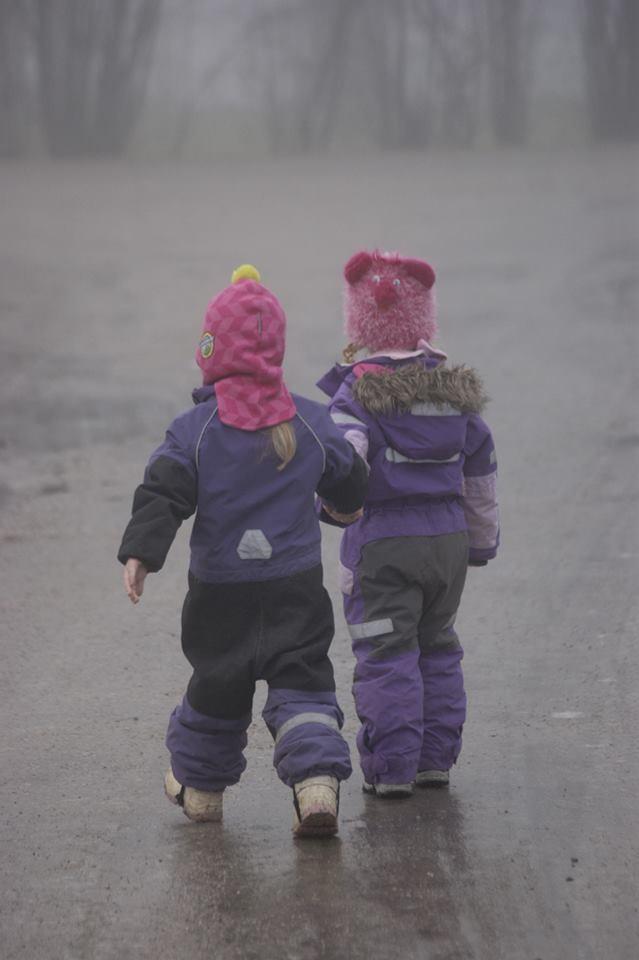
532	854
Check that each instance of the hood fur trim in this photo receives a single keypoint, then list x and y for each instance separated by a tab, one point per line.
460	387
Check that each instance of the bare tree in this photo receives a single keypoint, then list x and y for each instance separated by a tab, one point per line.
16	93
384	63
92	64
453	46
408	73
346	59
610	37
301	53
508	68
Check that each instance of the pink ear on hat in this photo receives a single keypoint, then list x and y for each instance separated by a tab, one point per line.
357	266
421	271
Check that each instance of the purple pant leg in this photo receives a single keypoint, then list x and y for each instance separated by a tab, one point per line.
306	728
206	752
389	700
444	708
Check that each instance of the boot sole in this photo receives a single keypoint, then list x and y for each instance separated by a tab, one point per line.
320	824
203	817
436	783
370	791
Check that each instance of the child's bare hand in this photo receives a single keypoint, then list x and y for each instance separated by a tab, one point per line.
134	576
346	518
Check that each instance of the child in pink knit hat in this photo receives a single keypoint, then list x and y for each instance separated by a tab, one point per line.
430	511
247	459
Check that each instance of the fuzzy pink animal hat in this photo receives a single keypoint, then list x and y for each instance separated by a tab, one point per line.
389	303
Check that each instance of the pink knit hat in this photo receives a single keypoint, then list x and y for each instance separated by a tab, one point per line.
389	302
241	351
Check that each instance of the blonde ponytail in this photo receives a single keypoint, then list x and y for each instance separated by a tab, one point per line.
283	442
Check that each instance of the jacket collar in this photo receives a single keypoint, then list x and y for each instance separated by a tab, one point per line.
202	394
335	377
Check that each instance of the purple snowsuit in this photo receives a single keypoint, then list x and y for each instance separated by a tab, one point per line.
430	510
256	606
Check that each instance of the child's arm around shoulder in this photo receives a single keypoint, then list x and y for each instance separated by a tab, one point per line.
166	497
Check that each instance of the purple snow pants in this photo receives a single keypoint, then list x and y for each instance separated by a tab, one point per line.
408	684
234	634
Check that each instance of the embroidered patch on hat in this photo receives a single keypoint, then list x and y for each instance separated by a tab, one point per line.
207	345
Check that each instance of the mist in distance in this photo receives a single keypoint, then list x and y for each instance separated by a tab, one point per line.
194	79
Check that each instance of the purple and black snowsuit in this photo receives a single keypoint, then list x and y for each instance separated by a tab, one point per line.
256	606
430	510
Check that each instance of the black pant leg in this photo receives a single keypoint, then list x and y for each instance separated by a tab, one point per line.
220	633
297	631
301	711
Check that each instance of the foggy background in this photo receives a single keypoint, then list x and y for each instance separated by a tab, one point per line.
174	79
146	149
187	136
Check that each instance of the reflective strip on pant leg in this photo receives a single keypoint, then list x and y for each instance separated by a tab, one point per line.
373	628
301	718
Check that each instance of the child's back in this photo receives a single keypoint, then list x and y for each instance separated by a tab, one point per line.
253	521
430	509
249	457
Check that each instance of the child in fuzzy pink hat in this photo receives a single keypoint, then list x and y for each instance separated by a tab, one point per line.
430	511
247	459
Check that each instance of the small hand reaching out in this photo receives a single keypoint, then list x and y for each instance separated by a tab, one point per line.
134	576
346	518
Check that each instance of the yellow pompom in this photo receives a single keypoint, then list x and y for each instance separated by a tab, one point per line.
245	272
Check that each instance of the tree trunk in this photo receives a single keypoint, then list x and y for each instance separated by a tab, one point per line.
610	39
16	101
93	59
508	58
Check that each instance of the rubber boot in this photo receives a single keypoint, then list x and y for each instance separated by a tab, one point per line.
316	807
203	806
388	791
432	778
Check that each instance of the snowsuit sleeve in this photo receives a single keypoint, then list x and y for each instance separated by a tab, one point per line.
344	481
349	419
166	497
480	492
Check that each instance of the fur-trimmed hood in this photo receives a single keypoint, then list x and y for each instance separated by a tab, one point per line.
397	390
